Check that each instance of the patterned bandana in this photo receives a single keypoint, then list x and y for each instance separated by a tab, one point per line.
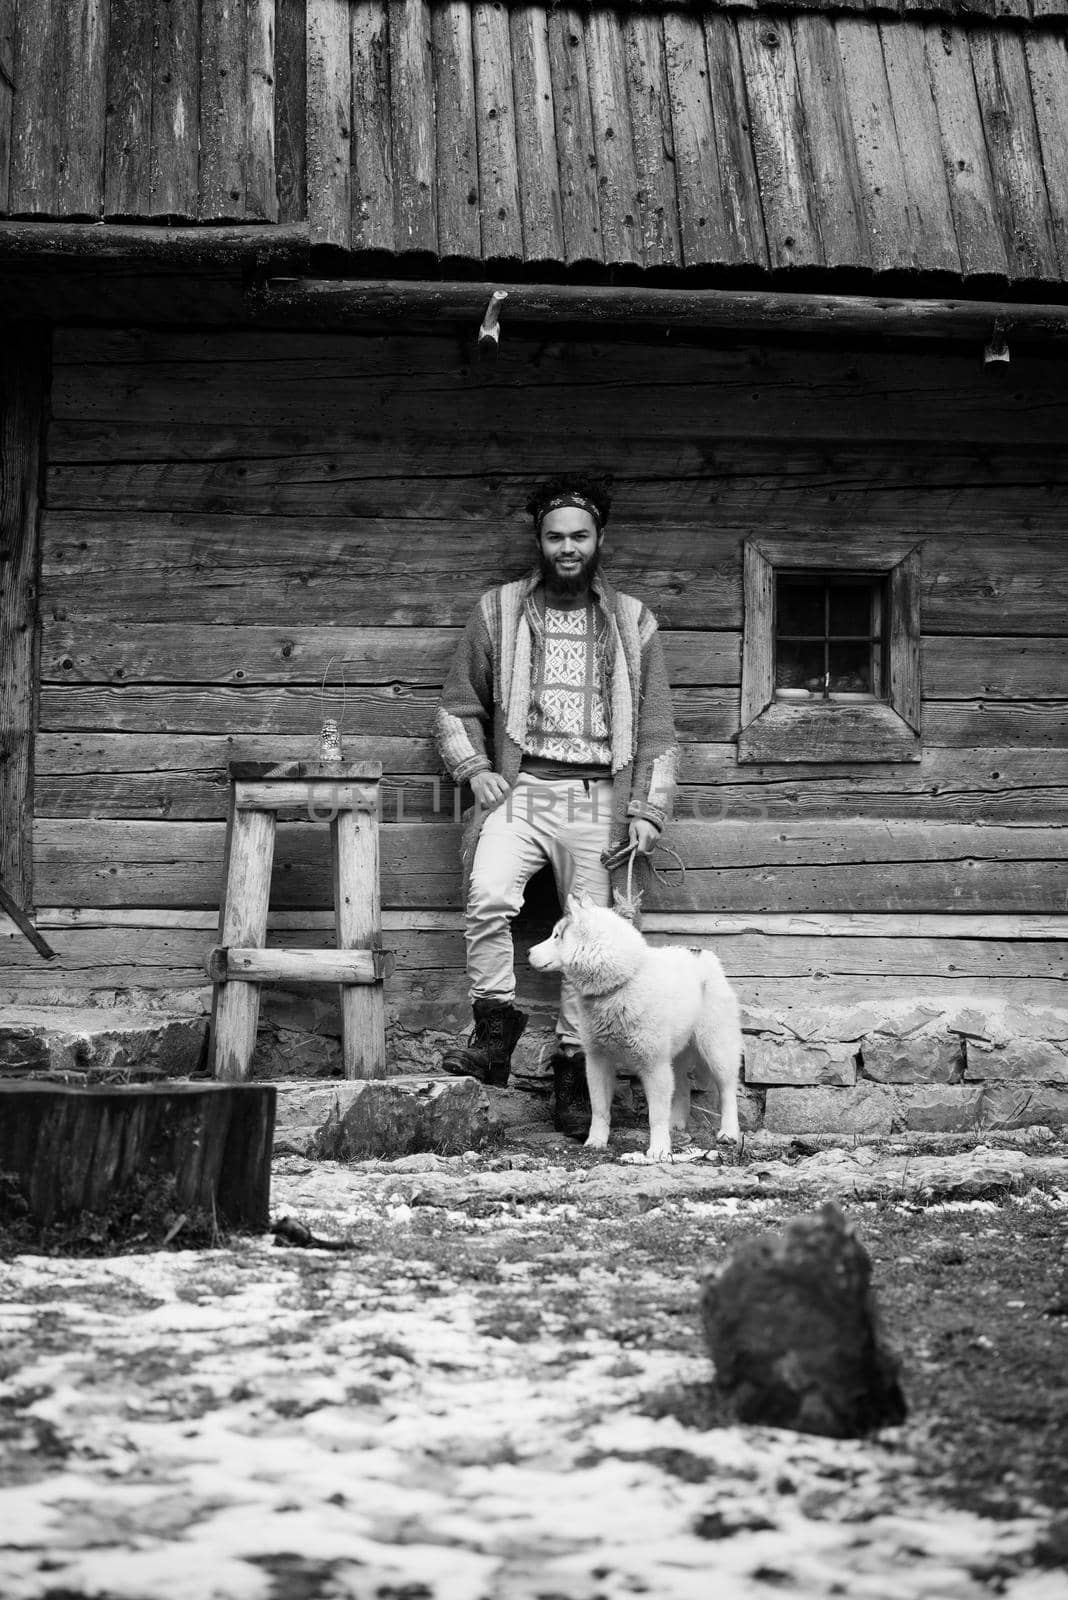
559	500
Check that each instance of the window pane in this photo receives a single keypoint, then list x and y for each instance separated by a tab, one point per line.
850	668
800	607
850	608
799	666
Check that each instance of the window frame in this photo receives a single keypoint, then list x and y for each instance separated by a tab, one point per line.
814	731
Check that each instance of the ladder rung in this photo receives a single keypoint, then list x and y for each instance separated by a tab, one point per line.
257	965
319	796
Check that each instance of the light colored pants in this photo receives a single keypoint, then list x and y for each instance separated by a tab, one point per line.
562	821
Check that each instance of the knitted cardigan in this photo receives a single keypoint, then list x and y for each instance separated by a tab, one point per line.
481	720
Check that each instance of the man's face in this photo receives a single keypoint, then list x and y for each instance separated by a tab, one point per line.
570	548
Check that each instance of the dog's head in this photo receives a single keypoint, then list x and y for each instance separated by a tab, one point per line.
591	945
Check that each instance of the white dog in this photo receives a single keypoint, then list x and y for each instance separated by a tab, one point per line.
657	1011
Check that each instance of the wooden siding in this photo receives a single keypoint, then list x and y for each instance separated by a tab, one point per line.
229	516
125	110
691	137
663	136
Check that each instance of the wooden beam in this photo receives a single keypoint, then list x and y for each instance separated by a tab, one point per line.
328	301
257	965
266	246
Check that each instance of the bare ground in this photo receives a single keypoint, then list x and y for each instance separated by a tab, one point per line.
501	1391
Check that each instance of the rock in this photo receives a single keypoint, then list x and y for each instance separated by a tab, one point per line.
1006	1105
1018	1060
291	1053
379	1118
786	1061
926	1056
866	1108
97	1043
793	1332
954	1108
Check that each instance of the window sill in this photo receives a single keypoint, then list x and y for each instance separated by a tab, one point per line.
819	730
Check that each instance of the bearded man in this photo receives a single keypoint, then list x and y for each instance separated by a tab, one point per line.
557	712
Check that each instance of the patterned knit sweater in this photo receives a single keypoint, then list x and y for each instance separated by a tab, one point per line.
481	722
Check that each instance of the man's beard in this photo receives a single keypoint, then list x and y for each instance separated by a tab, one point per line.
570	583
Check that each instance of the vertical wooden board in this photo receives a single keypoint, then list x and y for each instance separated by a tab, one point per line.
175	139
964	153
290	100
7	86
261	190
330	119
704	235
878	154
1047	61
459	232
787	191
758	644
223	111
745	234
617	176
579	198
128	117
906	691
22	399
498	176
931	226
372	149
412	124
1004	89
654	153
58	129
831	145
535	135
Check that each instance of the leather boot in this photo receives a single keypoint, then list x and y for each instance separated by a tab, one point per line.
487	1052
572	1112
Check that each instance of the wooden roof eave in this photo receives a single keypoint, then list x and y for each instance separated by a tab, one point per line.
337	302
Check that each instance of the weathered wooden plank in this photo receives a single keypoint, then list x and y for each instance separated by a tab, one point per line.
704	233
964	151
787	188
579	194
930	216
746	234
613	147
832	155
411	80
23	358
654	154
498	174
57	159
459	232
762	392
261	188
115	863
224	62
535	134
170	652
91	565
373	222
174	155
128	118
1008	115
334	73
1047	62
290	99
7	87
877	144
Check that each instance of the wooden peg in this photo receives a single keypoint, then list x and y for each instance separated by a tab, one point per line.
489	335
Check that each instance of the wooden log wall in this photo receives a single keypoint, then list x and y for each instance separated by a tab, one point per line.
230	516
123	110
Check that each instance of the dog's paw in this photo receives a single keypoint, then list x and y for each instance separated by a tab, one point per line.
734	1139
595	1144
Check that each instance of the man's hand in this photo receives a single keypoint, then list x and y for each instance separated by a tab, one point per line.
489	789
643	835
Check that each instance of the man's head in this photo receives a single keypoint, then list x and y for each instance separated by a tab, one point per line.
569	519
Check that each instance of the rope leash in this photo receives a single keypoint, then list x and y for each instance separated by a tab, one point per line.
628	903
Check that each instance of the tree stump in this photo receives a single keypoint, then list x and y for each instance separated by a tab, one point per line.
68	1149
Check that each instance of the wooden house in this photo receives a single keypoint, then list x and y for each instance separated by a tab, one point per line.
795	275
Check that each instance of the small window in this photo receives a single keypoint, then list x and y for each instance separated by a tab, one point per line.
830	652
829	637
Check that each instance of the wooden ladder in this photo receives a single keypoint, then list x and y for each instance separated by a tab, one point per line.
345	794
